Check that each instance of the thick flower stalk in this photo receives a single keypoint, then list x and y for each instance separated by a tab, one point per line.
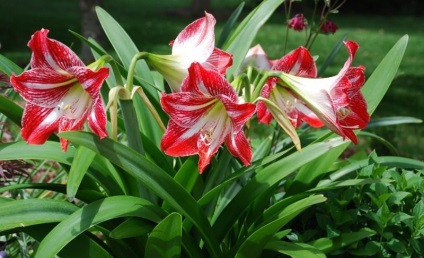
61	93
205	114
336	101
196	43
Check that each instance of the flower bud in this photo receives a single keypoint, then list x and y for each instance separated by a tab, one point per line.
329	27
298	22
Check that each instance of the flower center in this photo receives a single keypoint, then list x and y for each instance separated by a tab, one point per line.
75	103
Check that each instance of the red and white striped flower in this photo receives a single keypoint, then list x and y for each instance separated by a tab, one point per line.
300	63
61	93
205	114
196	43
336	101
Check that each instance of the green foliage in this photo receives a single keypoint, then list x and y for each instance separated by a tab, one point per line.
129	199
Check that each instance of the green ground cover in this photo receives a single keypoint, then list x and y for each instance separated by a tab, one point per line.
151	25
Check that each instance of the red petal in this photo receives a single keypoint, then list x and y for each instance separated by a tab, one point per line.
175	141
90	80
97	119
299	62
219	61
208	82
239	146
51	54
186	108
39	123
42	87
239	113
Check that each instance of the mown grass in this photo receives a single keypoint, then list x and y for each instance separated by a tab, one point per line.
152	26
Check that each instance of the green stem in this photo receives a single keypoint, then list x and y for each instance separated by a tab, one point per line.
117	74
131	69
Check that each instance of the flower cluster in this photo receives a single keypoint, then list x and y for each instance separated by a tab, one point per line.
205	110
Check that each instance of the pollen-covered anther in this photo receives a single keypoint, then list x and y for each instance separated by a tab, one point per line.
206	136
343	112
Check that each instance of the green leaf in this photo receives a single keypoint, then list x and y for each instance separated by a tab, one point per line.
241	39
229	25
396	162
377	85
126	50
295	250
9	67
165	239
327	245
86	244
83	195
47	151
132	227
267	177
11	110
92	214
393	120
80	164
22	213
153	177
256	242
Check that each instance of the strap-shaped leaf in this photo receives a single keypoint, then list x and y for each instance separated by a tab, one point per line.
153	177
126	50
80	164
8	67
165	239
21	213
377	85
241	39
256	242
327	245
11	110
92	214
267	177
295	250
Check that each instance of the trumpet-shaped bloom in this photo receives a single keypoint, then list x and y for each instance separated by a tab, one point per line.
205	114
337	100
299	63
196	43
61	93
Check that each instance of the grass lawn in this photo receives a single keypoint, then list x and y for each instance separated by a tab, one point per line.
151	28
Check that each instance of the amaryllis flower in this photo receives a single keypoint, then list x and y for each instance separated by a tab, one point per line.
299	62
203	115
196	43
61	93
298	22
329	27
336	100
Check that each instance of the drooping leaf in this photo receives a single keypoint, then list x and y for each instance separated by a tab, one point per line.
256	242
132	227
27	212
92	214
267	177
153	177
327	245
295	250
8	67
